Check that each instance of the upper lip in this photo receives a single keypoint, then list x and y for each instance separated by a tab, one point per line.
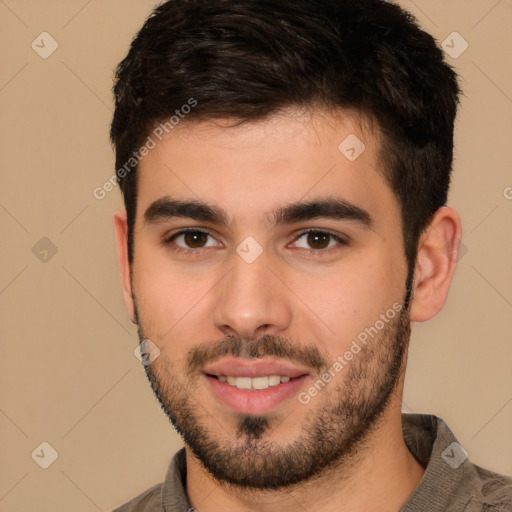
238	367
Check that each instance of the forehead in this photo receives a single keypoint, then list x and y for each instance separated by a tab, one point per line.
251	168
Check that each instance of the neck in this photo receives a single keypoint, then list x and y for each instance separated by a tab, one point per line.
381	474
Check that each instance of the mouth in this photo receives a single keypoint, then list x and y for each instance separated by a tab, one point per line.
253	387
263	382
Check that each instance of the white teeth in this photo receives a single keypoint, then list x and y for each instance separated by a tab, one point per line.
259	382
243	382
255	382
274	380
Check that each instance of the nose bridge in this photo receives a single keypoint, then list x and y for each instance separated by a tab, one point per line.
251	299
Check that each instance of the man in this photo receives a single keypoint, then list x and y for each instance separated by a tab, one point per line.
285	169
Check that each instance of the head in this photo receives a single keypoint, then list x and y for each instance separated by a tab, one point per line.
260	119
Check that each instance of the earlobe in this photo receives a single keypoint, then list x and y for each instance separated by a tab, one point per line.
435	264
121	233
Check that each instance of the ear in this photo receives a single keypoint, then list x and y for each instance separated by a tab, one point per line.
438	249
121	230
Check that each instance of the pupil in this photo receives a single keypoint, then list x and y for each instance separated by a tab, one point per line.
194	238
318	238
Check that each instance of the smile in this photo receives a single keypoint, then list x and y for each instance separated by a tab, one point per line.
262	382
253	395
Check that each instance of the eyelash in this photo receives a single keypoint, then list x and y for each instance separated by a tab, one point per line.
196	252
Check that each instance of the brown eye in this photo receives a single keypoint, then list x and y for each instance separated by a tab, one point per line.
318	240
190	240
195	239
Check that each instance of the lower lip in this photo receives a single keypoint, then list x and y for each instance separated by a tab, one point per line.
254	401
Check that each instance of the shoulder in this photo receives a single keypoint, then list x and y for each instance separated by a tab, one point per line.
494	491
148	501
452	482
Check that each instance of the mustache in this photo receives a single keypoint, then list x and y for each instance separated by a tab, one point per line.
266	346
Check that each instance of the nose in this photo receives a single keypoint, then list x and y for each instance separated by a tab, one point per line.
251	301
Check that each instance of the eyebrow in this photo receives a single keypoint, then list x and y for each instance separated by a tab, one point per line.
330	208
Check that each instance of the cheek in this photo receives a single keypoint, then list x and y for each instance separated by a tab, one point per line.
352	297
165	292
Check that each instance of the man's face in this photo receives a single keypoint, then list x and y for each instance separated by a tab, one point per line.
256	296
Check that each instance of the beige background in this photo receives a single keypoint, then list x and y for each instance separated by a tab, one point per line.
68	375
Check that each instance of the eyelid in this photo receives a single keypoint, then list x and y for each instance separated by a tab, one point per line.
168	238
341	239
